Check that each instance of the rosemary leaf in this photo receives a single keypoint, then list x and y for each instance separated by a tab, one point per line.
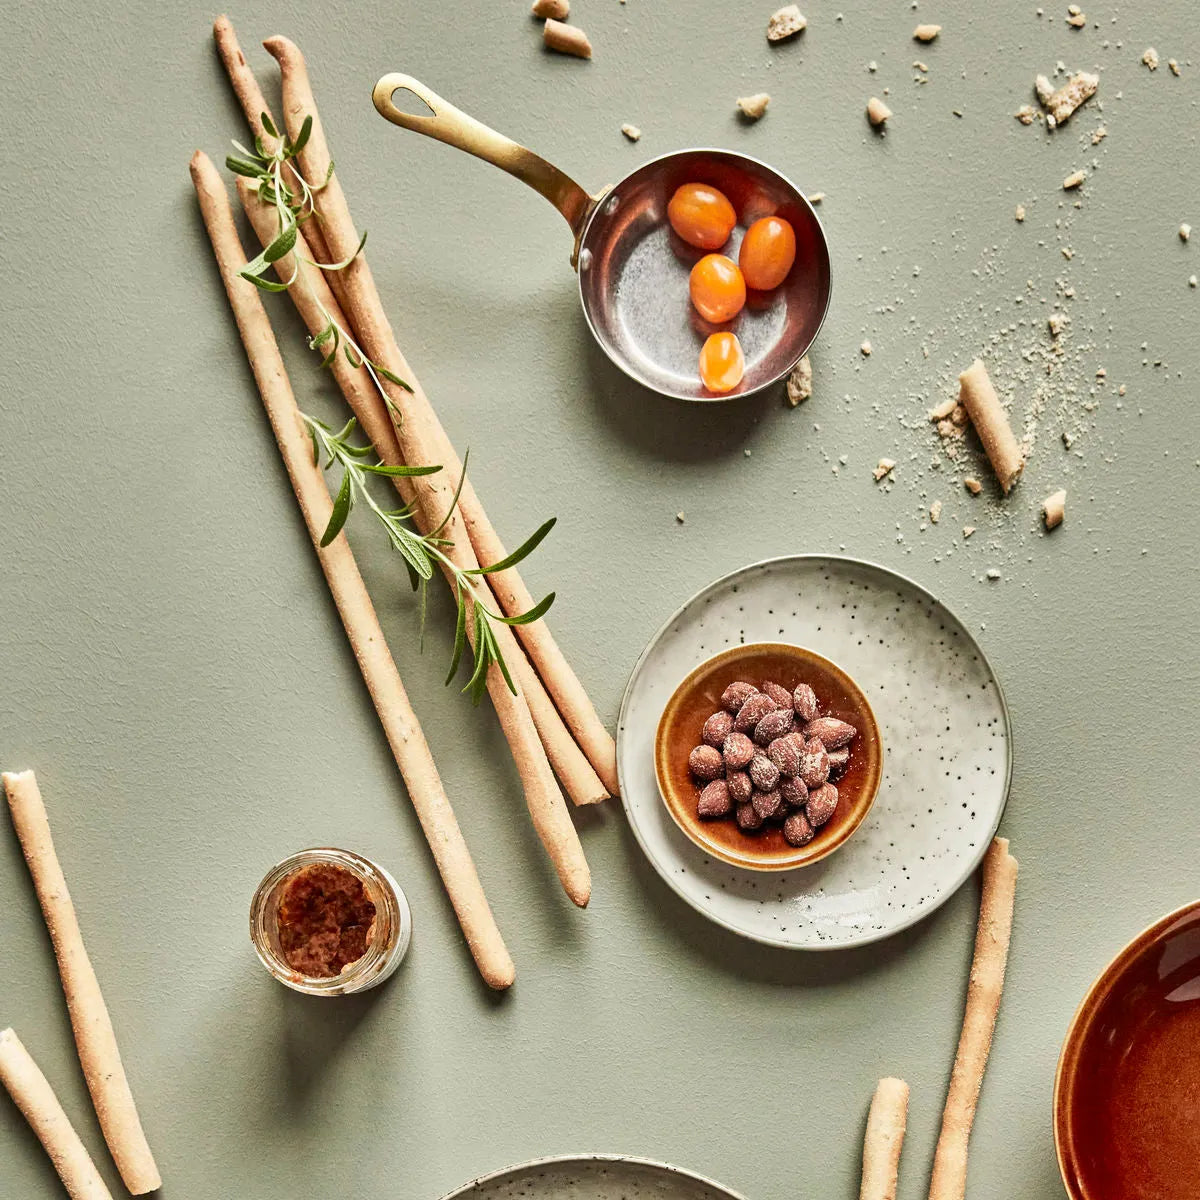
341	510
536	613
522	551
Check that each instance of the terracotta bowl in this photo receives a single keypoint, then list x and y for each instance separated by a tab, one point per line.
698	696
1127	1093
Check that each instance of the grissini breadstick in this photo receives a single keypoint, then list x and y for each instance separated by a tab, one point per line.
419	444
254	104
94	1037
33	1095
375	661
992	939
560	680
884	1140
317	306
978	397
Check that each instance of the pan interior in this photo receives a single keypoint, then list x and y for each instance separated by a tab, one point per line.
633	275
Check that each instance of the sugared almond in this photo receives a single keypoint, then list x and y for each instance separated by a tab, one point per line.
822	802
776	724
785	754
740	787
804	701
736	694
797	831
737	751
780	695
764	774
716	729
831	731
814	764
715	801
705	763
793	791
753	711
770	805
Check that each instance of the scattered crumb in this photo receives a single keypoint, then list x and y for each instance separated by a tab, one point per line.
1026	114
1075	18
878	113
1099	135
1043	88
1057	323
920	66
967	531
1173	65
1053	508
943	410
926	33
1060	103
799	384
558	9
679	517
1185	232
993	574
865	349
935	511
1074	180
753	107
785	23
1020	212
566	39
816	197
973	486
1067	439
1192	281
1067	252
883	468
1150	58
632	132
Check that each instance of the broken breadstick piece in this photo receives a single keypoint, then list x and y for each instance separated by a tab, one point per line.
753	107
926	33
935	511
785	23
973	486
943	410
1062	103
632	132
557	10
979	398
883	468
566	39
799	384
1150	58
877	112
1076	17
1074	180
33	1095
1054	508
884	1140
992	938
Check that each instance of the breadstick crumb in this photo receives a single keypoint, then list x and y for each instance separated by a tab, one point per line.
973	486
566	39
799	384
785	23
632	132
1054	508
753	107
979	398
1150	58
878	113
886	1123
1074	180
557	10
926	33
883	468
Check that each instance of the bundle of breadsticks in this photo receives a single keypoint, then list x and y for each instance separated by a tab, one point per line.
889	1107
550	725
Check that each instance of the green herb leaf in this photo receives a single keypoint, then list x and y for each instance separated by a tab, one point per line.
267	285
534	614
341	510
522	551
384	469
341	266
312	433
282	244
457	492
460	637
381	370
477	684
303	136
268	124
243	166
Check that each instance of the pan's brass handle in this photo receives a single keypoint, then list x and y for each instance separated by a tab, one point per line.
454	127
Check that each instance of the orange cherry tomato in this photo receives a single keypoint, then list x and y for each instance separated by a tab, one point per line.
717	288
767	253
722	363
701	215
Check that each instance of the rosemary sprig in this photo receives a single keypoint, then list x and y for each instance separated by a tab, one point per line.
423	553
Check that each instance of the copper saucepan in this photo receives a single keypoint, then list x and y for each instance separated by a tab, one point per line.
633	268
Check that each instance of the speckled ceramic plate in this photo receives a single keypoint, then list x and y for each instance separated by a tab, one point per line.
943	721
593	1177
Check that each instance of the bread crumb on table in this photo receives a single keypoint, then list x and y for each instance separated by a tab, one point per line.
1173	65
556	9
1061	102
935	511
865	349
973	486
1185	232
1099	135
1057	322
1053	508
1192	281
993	574
785	23
816	197
883	468
878	113
566	39
632	132
1150	58
1019	213
967	531
753	107
926	33
1026	114
1074	180
799	384
1076	18
679	517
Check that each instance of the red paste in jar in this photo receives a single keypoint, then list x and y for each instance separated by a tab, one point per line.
325	920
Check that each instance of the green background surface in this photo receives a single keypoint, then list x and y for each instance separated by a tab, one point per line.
172	666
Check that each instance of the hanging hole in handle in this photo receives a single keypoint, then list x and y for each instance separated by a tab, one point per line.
409	103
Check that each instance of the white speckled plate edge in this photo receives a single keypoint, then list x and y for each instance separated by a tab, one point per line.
682	849
663	1182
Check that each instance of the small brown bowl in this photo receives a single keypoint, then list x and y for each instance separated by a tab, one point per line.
699	695
1127	1092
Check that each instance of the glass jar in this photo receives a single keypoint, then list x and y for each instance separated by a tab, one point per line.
388	937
